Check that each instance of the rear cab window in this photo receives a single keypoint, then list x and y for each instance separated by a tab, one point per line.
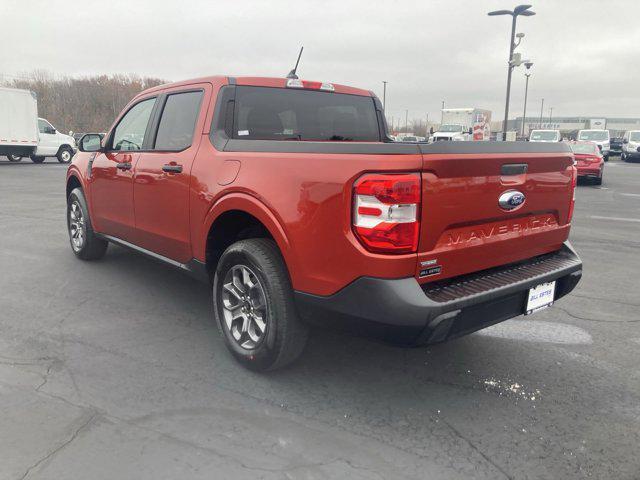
266	113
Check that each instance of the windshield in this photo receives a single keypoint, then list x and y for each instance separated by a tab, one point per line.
547	136
584	148
264	113
634	137
450	128
597	135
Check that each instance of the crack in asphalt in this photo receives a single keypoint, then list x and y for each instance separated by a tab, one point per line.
590	297
476	449
596	320
59	448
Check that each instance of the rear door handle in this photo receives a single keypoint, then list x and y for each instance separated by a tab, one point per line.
172	168
123	165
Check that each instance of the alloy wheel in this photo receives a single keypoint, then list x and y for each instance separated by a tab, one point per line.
76	226
244	307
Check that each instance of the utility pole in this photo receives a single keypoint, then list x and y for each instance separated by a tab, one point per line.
541	109
550	113
406	121
442	113
384	94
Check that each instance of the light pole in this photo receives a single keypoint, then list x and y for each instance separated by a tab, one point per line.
384	95
406	121
519	10
541	109
526	91
550	114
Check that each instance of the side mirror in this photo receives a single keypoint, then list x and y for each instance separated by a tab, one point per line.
625	140
50	130
470	131
91	142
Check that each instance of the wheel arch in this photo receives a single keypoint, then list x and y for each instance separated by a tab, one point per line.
238	216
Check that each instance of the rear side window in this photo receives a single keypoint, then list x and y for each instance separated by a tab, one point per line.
263	113
178	121
129	134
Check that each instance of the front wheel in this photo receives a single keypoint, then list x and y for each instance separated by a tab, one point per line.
14	158
65	155
84	242
254	307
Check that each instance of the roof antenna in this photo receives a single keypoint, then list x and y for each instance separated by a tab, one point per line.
292	73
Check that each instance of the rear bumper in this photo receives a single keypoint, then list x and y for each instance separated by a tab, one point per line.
588	171
405	311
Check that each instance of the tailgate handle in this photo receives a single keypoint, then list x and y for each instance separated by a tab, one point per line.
513	169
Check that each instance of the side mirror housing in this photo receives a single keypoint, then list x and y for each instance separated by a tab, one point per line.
625	140
91	142
470	131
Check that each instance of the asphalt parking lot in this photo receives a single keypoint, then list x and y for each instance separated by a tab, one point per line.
114	370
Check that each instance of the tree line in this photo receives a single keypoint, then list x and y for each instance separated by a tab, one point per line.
82	104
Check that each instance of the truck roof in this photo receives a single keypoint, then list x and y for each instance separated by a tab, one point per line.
274	82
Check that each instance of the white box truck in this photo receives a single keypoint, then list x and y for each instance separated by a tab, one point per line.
18	123
464	124
23	134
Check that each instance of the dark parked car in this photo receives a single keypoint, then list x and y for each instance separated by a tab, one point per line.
616	145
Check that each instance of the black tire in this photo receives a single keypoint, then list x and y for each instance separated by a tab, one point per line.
65	154
91	247
14	158
284	335
35	159
598	181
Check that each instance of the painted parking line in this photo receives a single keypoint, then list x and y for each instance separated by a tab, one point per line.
631	194
616	219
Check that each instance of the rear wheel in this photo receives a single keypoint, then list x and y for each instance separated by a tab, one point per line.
84	242
14	158
254	307
65	155
598	180
35	159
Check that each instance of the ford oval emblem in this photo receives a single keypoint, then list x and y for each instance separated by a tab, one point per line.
511	200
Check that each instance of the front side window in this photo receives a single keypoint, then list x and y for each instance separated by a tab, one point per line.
45	127
129	134
178	121
263	113
634	137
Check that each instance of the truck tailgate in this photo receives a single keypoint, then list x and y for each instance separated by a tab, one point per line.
463	226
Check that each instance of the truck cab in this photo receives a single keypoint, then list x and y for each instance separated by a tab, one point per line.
452	133
545	136
600	137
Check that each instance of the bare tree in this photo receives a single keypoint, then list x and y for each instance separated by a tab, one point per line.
82	104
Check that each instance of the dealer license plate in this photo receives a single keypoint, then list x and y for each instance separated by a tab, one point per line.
540	296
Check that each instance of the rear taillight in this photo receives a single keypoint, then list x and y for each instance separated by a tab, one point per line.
386	209
574	182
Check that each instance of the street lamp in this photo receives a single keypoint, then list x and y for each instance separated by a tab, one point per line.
528	65
519	10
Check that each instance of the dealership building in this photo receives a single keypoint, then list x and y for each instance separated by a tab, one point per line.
569	126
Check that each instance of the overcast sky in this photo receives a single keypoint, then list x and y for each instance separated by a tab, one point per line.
586	52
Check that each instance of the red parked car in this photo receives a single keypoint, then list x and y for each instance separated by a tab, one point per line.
290	198
589	161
